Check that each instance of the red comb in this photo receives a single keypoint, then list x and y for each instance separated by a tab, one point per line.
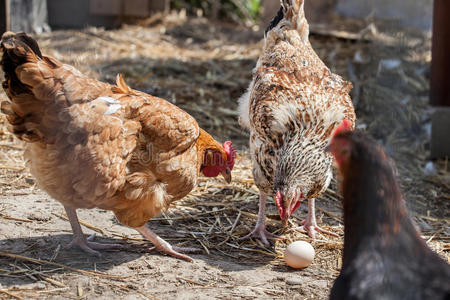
346	125
231	154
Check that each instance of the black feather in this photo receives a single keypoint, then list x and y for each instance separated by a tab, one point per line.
30	42
384	255
276	20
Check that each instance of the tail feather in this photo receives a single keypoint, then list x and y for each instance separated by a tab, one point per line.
18	50
278	17
10	40
293	13
21	56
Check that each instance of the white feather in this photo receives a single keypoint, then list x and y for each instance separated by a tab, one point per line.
244	108
333	116
108	100
285	113
112	109
113	104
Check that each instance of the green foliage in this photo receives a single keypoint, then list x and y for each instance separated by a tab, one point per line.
253	7
237	10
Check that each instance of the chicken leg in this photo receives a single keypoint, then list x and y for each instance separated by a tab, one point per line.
80	240
260	228
310	223
163	246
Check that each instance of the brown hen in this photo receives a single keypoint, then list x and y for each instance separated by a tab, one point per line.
291	109
90	144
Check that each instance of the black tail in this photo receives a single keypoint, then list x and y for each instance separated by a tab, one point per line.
10	41
279	16
293	12
17	49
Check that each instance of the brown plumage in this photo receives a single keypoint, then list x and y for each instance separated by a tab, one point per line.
91	144
291	108
384	255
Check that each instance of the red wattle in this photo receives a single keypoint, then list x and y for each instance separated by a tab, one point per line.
211	171
297	205
279	203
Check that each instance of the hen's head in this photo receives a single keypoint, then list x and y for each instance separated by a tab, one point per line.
219	161
287	205
295	176
303	171
341	144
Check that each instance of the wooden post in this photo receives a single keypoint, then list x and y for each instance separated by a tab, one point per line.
4	16
440	65
440	81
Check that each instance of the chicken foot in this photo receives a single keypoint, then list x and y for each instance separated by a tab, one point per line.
163	246
310	224
80	240
260	228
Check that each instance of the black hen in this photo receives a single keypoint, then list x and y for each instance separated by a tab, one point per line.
384	256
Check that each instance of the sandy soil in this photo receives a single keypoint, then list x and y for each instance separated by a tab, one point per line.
43	234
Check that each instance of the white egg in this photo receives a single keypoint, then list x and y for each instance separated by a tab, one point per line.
299	254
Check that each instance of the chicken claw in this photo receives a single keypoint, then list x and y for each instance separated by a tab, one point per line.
164	247
310	229
86	245
80	240
260	232
310	224
260	228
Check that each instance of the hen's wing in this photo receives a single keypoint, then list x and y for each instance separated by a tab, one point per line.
164	163
167	127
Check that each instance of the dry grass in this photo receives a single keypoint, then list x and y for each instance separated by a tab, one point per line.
203	68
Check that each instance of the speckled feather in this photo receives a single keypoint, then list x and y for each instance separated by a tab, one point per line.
91	144
291	108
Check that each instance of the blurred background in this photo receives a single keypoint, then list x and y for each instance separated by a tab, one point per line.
41	15
199	55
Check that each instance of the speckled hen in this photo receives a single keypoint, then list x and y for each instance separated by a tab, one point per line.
92	144
293	105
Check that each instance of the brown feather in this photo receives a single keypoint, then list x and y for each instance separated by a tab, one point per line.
91	144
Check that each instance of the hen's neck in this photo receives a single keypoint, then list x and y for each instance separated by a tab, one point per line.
206	141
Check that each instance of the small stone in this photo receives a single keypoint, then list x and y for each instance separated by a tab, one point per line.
40	286
294	281
29	180
321	284
430	169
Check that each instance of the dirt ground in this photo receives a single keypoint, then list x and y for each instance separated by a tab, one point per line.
204	67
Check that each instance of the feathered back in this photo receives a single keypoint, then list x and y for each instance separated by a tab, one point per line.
39	87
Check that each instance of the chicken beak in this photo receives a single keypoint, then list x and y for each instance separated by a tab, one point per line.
293	205
226	175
